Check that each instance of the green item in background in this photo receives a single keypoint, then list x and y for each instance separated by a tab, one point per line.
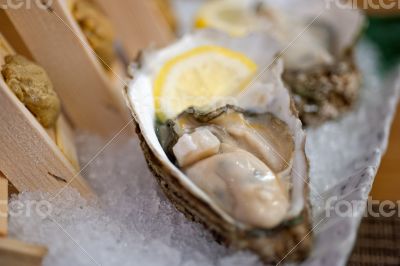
385	33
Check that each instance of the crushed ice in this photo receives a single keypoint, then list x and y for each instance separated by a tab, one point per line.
133	224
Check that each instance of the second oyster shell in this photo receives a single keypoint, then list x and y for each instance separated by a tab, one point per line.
318	43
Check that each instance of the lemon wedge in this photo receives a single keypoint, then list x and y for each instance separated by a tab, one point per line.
230	16
199	77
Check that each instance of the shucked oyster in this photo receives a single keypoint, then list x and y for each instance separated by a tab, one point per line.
233	155
240	169
316	42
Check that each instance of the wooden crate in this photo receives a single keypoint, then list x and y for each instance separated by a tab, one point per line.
138	24
17	253
91	97
29	156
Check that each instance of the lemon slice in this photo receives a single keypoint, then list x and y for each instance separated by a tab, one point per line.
199	77
232	17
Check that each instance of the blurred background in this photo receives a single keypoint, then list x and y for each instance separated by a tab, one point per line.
384	31
379	239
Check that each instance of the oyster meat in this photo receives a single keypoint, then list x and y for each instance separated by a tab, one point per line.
232	156
238	168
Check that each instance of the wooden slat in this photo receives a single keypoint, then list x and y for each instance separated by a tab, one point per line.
29	158
16	253
387	182
7	30
52	133
3	206
138	24
5	49
64	138
56	43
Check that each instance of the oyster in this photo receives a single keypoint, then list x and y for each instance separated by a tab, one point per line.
231	155
316	43
320	67
240	169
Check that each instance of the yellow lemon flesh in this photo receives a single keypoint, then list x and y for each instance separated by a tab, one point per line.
230	16
199	77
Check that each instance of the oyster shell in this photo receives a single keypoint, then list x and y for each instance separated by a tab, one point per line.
320	67
267	104
316	42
